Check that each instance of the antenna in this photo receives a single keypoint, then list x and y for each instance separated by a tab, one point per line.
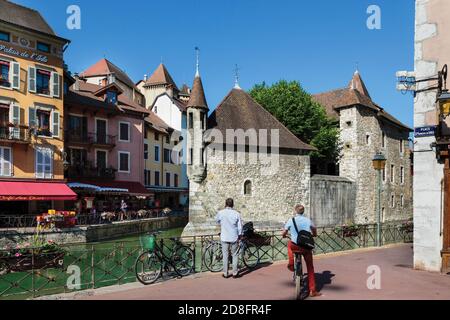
236	77
197	71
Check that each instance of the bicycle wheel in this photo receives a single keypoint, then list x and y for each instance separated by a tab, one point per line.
212	258
251	255
298	278
183	260
148	268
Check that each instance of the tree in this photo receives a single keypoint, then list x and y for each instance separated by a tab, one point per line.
306	118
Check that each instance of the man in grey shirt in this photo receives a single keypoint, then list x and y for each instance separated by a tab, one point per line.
231	231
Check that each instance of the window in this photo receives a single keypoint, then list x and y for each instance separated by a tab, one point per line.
368	139
392	173
145	151
101	159
383	214
111	97
202	120
5	162
124	131
191	156
124	161
384	174
167	156
191	120
4	36
147	177
4	74
156	136
43	82
167	139
43	47
402	146
167	179
202	161
383	140
402	175
44	163
156	178
156	109
392	201
175	180
156	153
43	123
402	201
248	188
77	130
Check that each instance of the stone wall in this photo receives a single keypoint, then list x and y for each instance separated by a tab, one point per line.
361	135
332	200
432	51
94	233
273	197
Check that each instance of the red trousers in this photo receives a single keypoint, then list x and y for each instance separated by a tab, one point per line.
308	256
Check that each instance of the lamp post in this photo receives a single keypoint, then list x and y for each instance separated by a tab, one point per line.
379	163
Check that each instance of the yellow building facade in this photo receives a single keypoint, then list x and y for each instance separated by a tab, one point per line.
31	110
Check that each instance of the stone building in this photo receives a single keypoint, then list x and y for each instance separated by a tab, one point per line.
431	186
265	185
366	128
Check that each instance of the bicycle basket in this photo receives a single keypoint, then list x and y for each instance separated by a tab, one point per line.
147	242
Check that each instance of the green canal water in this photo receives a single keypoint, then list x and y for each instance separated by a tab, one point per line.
95	264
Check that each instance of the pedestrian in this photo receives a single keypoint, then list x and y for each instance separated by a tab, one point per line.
231	232
294	226
123	209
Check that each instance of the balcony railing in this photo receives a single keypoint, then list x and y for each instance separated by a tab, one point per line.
90	171
15	133
90	138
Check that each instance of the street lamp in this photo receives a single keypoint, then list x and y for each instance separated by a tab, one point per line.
379	163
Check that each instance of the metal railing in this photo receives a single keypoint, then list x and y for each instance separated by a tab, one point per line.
15	133
112	263
90	138
88	170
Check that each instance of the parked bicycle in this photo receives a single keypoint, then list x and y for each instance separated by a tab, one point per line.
298	276
213	257
157	259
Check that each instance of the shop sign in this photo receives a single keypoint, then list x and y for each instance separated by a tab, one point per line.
23	54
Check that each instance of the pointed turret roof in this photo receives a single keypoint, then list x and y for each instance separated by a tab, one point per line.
197	99
358	84
238	110
161	77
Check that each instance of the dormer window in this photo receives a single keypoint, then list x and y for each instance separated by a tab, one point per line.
43	47
111	97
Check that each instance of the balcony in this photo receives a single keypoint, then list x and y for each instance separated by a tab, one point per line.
15	134
89	171
90	139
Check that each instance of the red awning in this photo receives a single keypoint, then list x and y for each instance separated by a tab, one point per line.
38	191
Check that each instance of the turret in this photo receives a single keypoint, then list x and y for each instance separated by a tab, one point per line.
197	113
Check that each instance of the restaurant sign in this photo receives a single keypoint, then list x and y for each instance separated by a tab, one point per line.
22	198
23	54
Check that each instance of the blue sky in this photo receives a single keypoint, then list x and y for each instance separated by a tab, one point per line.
318	43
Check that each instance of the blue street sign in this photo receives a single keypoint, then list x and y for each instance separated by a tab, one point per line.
424	131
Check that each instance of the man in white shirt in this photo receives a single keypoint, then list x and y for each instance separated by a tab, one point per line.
231	231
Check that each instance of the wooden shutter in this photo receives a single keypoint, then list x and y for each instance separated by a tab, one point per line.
56	123
55	88
32	79
15	81
32	121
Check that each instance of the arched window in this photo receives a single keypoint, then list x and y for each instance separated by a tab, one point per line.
248	188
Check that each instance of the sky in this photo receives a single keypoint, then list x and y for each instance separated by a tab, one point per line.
319	43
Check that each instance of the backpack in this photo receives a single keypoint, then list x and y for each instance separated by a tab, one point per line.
305	239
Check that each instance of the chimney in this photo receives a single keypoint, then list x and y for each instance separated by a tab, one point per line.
169	90
111	78
145	78
76	84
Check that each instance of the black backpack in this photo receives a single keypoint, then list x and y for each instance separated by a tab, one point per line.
305	239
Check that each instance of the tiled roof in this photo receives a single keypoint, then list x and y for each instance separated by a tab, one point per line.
157	123
355	94
23	16
239	111
85	96
105	67
197	98
161	77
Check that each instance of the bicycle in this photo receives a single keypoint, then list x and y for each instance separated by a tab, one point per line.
213	257
154	261
298	276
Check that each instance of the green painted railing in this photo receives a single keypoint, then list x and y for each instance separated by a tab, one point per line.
106	264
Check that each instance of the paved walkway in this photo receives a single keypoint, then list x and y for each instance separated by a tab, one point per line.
339	276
